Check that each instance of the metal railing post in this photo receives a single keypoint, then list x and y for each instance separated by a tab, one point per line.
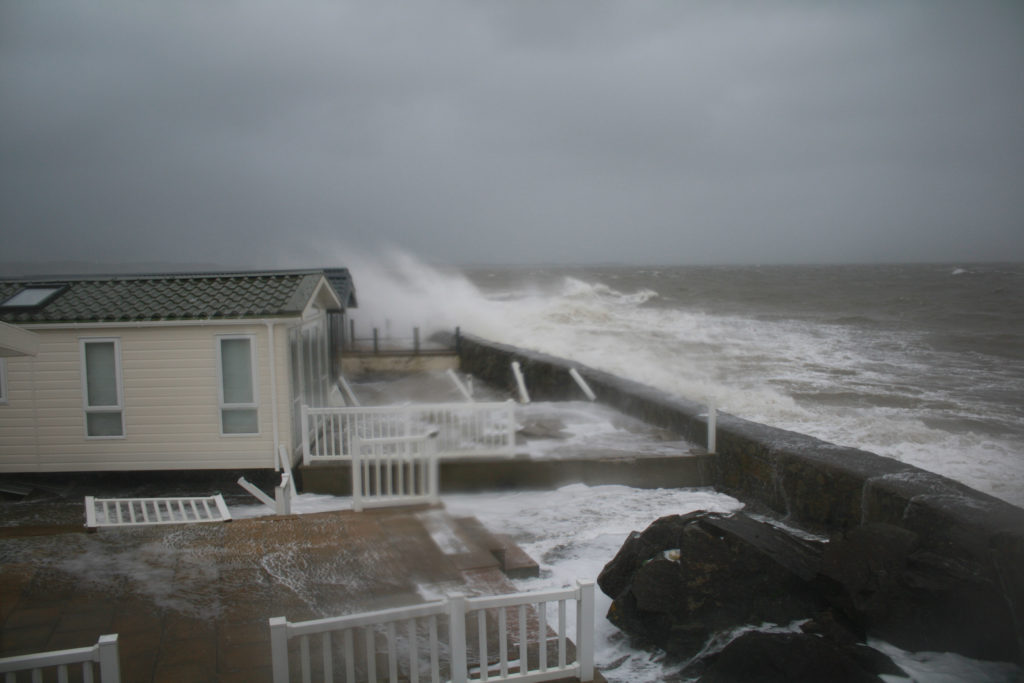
574	373
433	467
279	648
110	661
457	638
524	396
585	629
712	427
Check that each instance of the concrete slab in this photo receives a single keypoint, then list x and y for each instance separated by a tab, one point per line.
191	602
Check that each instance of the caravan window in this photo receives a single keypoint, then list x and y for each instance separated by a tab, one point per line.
238	412
101	387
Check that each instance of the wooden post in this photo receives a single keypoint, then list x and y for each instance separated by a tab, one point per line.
457	638
357	473
279	648
376	341
90	512
304	426
585	629
416	340
282	496
352	334
110	661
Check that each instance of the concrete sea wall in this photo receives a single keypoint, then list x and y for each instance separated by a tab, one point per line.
806	481
472	474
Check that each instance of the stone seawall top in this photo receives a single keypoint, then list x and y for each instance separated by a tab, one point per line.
806	481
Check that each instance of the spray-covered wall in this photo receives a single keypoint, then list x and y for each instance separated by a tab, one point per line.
807	481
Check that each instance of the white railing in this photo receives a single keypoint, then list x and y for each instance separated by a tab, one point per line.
102	512
463	428
104	653
511	641
398	470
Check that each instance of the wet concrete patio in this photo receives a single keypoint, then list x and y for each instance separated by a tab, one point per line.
191	602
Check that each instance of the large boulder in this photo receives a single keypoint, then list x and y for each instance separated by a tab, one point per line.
883	578
689	576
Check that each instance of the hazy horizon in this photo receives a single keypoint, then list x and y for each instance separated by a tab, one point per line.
9	270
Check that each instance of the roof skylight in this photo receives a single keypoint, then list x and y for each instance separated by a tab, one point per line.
31	297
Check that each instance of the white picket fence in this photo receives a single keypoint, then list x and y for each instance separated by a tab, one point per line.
394	471
103	512
463	428
104	653
409	643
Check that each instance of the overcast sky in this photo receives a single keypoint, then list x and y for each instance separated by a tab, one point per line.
271	134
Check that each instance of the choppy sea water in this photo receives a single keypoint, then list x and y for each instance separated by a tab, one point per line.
922	363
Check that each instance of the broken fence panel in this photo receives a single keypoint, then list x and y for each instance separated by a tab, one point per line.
110	512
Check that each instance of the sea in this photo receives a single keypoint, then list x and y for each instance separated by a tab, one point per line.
923	363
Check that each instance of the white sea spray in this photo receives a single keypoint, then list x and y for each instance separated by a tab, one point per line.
893	367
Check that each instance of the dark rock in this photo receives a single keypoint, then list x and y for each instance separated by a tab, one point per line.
639	547
970	546
835	627
687	577
881	577
786	657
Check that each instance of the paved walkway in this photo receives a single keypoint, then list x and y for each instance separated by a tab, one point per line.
191	602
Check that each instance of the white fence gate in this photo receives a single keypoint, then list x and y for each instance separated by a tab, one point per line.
394	471
463	428
103	512
104	653
501	638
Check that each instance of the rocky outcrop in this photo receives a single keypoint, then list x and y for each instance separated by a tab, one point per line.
687	578
787	657
898	589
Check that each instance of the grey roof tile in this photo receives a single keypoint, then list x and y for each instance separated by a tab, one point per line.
195	296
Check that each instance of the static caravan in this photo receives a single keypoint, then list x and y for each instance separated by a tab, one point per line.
164	372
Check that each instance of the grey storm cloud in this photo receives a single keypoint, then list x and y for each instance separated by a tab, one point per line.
261	134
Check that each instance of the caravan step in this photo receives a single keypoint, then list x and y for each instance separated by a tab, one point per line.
110	512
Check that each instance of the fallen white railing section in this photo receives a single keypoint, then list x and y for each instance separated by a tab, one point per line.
281	503
103	653
578	378
414	645
104	512
463	428
524	395
399	470
466	392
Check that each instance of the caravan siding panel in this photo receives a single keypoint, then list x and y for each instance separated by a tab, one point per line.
284	399
170	401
